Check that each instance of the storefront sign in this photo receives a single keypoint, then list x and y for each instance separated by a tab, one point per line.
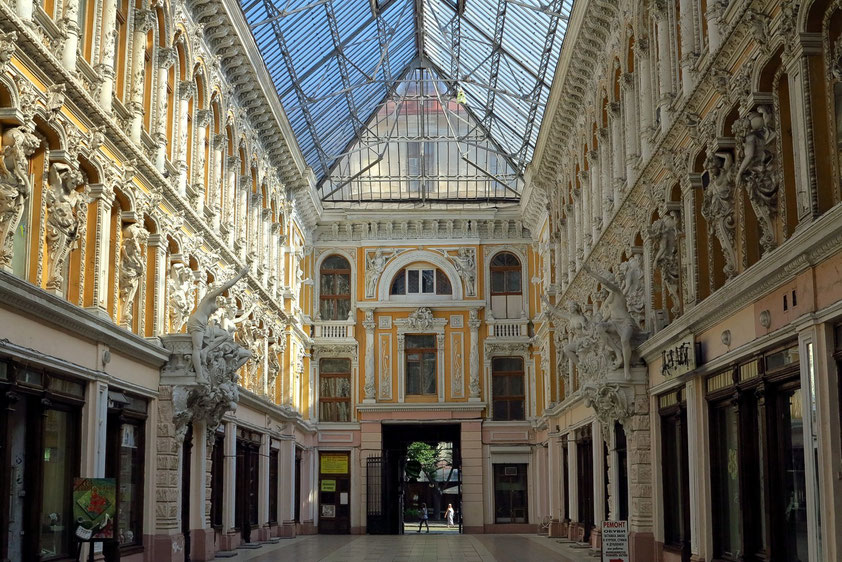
334	464
679	358
328	485
95	507
615	541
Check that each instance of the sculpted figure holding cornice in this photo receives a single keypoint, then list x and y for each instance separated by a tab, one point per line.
617	327
577	326
374	265
132	267
18	144
665	233
180	291
756	134
630	280
718	206
466	265
66	214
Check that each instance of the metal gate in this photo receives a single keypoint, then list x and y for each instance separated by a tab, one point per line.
375	515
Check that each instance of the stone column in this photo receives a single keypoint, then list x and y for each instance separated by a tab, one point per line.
201	181
23	8
595	218
618	161
632	131
644	96
103	198
599	514
201	536
801	77
572	479
186	90
587	237
571	243
555	481
286	487
229	195
561	252
166	58
70	27
369	324
167	529
665	89
144	21
159	303
607	180
639	440
474	360
229	479
263	488
106	64
714	12
697	478
578	248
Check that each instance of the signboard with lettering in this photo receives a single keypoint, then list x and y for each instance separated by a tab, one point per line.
328	485
334	464
615	541
679	357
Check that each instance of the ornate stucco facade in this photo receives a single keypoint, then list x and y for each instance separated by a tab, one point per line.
669	295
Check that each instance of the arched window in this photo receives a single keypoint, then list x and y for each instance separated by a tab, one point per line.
507	388
421	280
506	286
335	288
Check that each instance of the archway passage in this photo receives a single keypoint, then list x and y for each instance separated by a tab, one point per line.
420	466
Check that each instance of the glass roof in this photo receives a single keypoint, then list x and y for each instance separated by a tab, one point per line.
348	73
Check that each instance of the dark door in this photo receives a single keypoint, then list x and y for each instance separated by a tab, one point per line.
186	453
245	508
584	458
335	493
375	517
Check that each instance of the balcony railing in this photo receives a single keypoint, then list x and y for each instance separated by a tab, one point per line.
508	328
338	329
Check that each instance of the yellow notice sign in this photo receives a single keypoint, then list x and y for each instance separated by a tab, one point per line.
334	464
328	485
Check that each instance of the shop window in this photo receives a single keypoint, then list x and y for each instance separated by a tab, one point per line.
507	388
59	455
420	365
585	491
297	484
565	468
506	286
124	461
621	450
335	288
421	281
758	458
510	493
674	467
273	486
335	390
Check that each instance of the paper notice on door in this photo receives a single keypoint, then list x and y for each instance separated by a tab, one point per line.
343	498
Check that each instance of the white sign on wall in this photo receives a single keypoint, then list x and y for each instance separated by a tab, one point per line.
615	541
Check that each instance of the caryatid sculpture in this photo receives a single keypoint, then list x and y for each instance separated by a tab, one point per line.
617	327
198	328
132	267
66	215
15	187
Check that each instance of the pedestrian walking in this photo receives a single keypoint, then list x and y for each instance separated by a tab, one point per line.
449	515
423	518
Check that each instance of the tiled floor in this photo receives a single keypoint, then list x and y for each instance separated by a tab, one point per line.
416	548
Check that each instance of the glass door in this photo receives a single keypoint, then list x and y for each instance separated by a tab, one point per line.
792	505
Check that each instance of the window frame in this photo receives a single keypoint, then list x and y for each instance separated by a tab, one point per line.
335	297
498	473
505	270
334	399
423	351
405	272
509	399
117	417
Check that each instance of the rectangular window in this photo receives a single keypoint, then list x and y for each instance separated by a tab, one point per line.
60	445
507	388
124	461
335	390
510	493
421	365
725	478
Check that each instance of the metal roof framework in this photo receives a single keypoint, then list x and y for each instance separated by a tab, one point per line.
335	63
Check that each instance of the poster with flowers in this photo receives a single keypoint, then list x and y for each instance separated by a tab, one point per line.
95	507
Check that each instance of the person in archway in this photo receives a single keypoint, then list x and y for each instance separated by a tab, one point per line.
449	515
423	518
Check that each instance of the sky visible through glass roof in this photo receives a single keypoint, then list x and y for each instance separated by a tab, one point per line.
478	73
